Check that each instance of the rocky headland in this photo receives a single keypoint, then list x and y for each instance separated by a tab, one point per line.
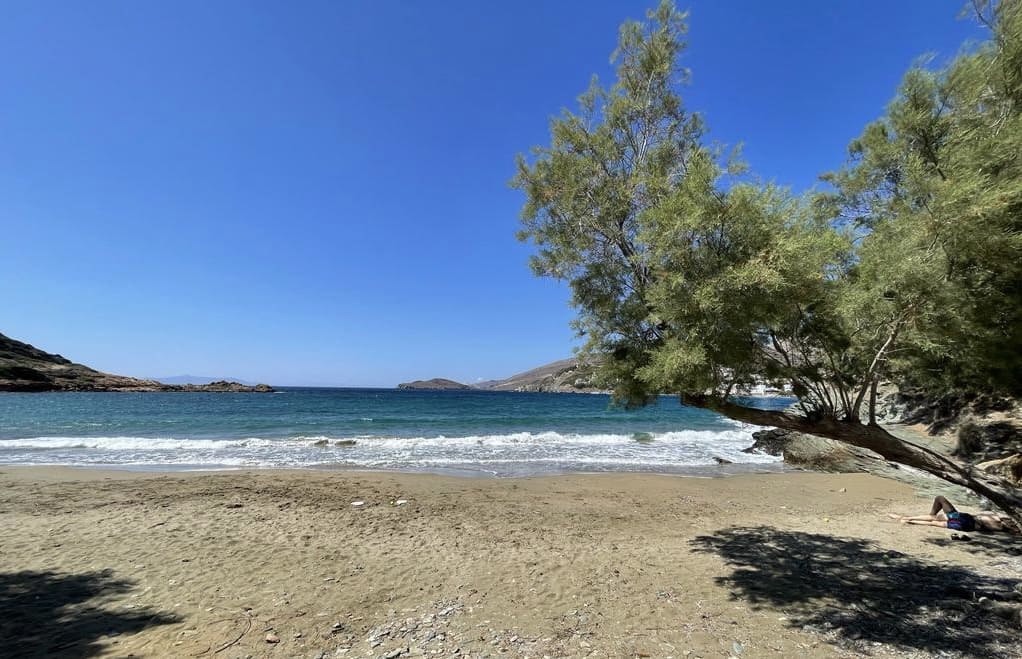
24	367
563	376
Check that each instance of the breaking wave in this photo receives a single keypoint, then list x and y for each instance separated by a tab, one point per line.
513	453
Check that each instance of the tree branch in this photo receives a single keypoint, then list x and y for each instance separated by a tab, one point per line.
878	440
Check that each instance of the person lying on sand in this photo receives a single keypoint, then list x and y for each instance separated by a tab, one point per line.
943	514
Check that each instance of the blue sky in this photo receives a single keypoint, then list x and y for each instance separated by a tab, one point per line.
316	192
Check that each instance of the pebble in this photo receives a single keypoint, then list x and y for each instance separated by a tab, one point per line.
358	503
272	638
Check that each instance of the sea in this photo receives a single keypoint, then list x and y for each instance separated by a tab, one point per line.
472	433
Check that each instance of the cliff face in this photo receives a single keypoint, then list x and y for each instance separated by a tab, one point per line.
26	368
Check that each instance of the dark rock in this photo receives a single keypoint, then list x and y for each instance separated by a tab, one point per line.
771	442
722	461
345	442
816	453
986	439
26	368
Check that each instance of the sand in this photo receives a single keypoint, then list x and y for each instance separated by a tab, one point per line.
281	564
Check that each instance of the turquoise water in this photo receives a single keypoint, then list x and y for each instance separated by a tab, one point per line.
499	433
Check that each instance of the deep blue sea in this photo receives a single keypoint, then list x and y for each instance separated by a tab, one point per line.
471	432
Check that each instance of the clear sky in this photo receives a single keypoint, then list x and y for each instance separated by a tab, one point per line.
316	192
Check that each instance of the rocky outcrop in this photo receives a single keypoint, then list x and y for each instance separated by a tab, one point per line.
771	442
1009	468
818	453
26	368
436	384
982	430
222	386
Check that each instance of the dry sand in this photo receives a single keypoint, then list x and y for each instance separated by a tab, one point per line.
96	563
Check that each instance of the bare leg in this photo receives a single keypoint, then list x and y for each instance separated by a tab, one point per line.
940	504
925	522
914	518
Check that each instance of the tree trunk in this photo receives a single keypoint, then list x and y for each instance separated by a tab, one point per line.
999	491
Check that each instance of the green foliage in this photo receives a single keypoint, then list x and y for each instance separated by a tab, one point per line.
691	276
937	184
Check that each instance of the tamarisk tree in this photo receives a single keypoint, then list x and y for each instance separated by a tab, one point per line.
690	276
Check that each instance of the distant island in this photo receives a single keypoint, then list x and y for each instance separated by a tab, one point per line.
24	367
561	377
436	384
564	376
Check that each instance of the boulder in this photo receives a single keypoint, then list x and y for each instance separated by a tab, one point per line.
1009	468
816	453
771	442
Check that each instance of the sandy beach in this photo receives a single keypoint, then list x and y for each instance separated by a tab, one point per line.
282	564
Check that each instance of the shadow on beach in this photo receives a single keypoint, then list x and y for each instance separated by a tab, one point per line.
47	614
995	545
858	594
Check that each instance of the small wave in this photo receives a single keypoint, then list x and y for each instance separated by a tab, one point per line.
131	443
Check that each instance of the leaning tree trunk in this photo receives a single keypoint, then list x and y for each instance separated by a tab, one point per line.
999	491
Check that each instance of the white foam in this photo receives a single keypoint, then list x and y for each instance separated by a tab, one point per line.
543	450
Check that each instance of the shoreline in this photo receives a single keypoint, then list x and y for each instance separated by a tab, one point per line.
731	470
275	563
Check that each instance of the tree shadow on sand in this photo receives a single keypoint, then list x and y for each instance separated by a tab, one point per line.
858	594
47	614
997	546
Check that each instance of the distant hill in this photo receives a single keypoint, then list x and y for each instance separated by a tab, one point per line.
24	367
433	385
566	375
